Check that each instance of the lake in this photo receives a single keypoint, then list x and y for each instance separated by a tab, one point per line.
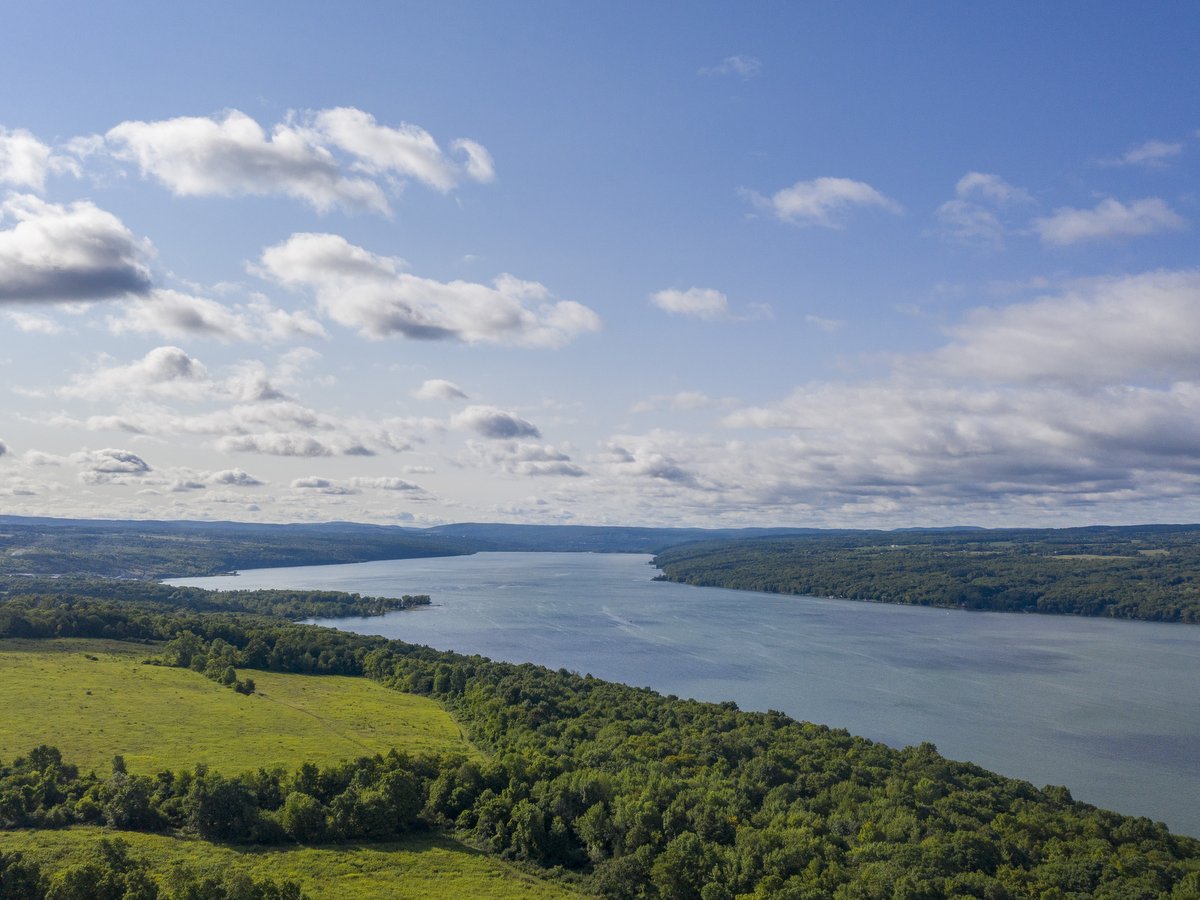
1109	709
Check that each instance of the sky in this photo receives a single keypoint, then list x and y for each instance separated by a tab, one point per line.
709	264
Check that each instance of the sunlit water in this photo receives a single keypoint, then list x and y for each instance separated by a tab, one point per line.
1110	709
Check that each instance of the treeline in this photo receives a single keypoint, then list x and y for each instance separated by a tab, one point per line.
639	794
111	872
285	604
1150	573
156	550
370	799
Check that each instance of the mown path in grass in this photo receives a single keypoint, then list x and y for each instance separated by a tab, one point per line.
55	692
424	866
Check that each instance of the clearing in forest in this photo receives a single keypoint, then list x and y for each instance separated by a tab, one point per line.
95	699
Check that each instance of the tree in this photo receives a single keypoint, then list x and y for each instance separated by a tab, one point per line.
303	817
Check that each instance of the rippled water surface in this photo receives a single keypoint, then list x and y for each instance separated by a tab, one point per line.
1110	709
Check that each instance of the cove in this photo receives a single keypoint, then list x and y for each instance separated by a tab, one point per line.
1109	709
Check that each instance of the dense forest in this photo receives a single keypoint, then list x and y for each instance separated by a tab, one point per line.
1132	572
621	790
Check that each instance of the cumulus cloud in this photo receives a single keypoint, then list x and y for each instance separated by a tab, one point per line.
171	373
174	315
1108	220
744	67
973	216
491	422
24	160
656	457
326	158
109	466
323	486
703	303
1095	330
526	458
291	444
386	483
1151	153
63	253
439	389
477	161
371	294
199	156
233	478
163	372
823	201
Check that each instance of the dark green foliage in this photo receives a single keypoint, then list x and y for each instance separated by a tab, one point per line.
110	872
19	878
285	604
1134	572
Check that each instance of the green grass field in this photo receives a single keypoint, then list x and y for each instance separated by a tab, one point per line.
163	718
422	867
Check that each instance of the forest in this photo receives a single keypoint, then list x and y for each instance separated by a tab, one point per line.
617	790
1130	572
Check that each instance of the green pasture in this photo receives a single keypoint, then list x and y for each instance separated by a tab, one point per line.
95	699
425	866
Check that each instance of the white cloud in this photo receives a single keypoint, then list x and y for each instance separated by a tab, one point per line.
62	253
975	185
3	448
1097	330
109	466
439	389
973	216
744	67
323	486
491	422
289	444
33	323
526	458
163	372
478	163
24	160
703	303
369	293
1108	220
233	478
1151	153
172	314
326	158
386	483
201	156
175	315
822	201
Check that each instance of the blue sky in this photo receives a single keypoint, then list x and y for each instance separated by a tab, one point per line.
703	264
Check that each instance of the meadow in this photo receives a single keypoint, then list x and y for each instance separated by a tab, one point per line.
95	699
422	866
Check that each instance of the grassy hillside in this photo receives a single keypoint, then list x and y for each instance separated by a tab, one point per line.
94	699
420	867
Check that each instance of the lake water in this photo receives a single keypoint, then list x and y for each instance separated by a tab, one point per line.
1110	709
